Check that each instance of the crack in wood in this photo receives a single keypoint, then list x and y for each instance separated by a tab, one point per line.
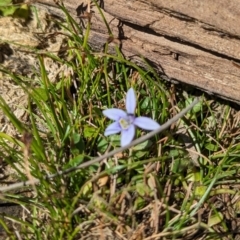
180	41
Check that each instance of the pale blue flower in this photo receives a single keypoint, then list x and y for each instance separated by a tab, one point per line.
126	122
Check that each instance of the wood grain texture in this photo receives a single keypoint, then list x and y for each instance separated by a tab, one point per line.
194	42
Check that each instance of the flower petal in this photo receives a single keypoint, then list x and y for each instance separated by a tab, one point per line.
127	135
113	128
146	123
131	101
114	113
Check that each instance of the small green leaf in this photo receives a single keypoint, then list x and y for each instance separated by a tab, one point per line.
104	142
75	161
211	147
5	2
87	189
197	108
41	94
17	11
142	189
194	177
97	111
215	219
115	140
140	154
141	149
236	206
7	11
115	169
139	203
176	153
78	145
76	138
142	146
179	165
102	145
90	132
200	190
145	103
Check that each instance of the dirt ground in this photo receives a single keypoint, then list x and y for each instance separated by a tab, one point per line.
17	40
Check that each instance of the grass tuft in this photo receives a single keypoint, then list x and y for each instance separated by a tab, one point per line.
180	183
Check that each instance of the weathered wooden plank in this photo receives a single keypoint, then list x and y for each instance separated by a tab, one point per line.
168	18
194	42
221	15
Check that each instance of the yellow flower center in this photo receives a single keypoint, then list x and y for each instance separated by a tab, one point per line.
124	123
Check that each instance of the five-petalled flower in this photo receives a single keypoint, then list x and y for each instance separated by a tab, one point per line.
126	122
